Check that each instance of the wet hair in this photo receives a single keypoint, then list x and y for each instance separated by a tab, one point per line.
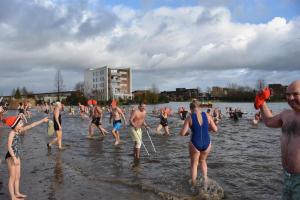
194	104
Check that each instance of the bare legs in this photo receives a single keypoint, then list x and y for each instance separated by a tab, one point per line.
166	129
14	180
58	139
101	129
196	157
91	130
136	152
117	136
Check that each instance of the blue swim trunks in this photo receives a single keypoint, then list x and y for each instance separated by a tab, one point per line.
117	125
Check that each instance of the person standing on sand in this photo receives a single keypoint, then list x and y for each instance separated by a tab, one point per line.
289	121
199	147
137	121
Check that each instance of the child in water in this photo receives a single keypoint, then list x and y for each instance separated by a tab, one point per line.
13	155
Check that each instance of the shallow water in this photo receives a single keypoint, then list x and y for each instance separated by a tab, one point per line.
244	161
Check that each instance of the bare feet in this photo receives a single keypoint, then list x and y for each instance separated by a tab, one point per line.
19	195
89	136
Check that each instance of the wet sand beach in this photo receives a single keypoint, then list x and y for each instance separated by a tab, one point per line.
244	161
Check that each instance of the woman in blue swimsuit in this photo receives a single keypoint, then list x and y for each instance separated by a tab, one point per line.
199	146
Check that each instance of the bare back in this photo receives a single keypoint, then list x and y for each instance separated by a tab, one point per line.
97	111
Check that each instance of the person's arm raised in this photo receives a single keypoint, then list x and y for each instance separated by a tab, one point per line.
25	128
268	118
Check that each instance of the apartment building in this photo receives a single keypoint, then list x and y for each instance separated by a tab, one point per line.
107	83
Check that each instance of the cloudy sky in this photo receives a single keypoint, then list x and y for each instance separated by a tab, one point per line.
169	43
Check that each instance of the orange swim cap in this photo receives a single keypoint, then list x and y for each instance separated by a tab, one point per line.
113	103
12	121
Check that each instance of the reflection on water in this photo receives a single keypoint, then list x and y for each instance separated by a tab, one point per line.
58	170
244	160
58	174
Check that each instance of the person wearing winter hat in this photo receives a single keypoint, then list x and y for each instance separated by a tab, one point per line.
13	155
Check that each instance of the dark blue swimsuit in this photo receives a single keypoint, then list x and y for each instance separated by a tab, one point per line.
200	137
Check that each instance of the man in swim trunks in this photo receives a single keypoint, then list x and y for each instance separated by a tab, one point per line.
137	120
289	122
96	121
115	115
199	147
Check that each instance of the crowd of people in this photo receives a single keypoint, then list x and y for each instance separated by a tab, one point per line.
199	122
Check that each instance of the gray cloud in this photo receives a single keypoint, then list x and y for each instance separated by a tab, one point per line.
172	46
31	25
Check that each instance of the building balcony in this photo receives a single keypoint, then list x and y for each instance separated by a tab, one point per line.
115	81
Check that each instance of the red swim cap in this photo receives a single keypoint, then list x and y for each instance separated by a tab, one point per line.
94	102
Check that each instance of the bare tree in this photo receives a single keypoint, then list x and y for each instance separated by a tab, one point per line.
233	86
24	91
199	90
88	91
154	89
208	90
58	83
13	92
79	86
